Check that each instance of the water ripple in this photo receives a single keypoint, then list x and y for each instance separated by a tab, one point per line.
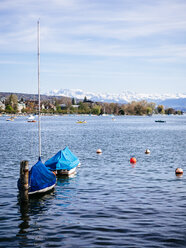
109	203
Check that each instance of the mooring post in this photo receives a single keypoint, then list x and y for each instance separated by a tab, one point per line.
24	175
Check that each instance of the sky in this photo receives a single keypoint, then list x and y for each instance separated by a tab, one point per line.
94	45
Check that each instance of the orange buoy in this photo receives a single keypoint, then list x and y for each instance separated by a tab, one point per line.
99	151
133	160
179	171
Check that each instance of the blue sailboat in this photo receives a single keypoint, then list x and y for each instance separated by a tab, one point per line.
63	163
41	179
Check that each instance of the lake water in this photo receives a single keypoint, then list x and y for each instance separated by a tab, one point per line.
109	203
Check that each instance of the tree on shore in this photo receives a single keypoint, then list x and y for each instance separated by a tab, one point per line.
160	109
9	109
169	111
96	110
73	101
84	108
11	101
85	99
64	105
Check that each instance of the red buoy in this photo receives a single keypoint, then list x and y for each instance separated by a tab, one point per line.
133	160
179	171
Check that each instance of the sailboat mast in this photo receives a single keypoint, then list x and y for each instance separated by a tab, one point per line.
38	56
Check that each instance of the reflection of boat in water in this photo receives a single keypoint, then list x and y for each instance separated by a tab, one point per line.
160	121
81	122
31	118
63	163
40	179
35	206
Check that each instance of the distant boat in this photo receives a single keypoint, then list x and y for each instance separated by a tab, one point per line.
10	119
160	121
81	122
31	118
41	179
63	163
104	114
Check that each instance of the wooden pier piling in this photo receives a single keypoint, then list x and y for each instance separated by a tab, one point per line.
24	176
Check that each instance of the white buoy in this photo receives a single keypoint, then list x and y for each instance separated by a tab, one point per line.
99	151
147	151
179	171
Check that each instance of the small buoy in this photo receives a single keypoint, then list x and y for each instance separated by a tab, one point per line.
133	160
99	151
179	171
147	151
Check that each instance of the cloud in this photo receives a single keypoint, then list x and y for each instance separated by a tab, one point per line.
95	28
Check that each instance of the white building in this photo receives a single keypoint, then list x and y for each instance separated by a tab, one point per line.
2	106
21	106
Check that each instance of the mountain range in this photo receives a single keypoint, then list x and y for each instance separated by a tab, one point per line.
176	101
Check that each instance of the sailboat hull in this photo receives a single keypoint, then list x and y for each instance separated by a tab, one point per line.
63	163
45	190
40	179
66	172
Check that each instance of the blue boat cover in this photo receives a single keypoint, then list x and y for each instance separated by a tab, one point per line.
40	177
63	160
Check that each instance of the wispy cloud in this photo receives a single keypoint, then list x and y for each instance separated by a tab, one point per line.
73	22
146	32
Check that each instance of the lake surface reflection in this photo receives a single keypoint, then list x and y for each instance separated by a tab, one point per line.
109	202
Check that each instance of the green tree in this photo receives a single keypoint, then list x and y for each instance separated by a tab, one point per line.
149	110
160	109
13	102
121	112
169	111
152	105
72	110
96	110
178	112
58	109
83	108
9	109
85	99
139	109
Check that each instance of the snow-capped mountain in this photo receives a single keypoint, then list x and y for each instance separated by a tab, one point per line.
169	100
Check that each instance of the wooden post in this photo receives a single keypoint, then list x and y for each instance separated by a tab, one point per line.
24	175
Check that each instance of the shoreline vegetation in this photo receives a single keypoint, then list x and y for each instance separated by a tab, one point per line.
63	106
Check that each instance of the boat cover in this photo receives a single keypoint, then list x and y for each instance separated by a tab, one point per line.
63	160
40	177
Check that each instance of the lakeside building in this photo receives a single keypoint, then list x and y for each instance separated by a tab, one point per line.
2	106
75	106
20	106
